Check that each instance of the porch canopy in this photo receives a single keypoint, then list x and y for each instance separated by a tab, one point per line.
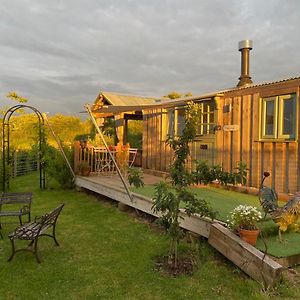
109	104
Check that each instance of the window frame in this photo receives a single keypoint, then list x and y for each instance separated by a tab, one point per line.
167	123
281	100
206	128
278	117
178	130
264	117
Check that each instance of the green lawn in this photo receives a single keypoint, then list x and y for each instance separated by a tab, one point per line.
108	254
224	201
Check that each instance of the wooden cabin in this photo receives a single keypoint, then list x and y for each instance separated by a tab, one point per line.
257	124
254	123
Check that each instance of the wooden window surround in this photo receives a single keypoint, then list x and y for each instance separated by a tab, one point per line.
278	117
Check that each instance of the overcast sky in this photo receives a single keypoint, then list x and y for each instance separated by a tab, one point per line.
60	54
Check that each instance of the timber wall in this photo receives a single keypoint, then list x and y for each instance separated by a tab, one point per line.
156	154
280	158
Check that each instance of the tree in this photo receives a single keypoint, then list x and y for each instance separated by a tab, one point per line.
14	97
67	128
173	95
168	199
176	95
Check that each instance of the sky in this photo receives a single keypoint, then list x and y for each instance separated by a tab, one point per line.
61	54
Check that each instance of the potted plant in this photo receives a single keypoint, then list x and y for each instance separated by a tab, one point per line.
244	220
84	168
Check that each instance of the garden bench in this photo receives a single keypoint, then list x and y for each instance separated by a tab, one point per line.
33	230
15	204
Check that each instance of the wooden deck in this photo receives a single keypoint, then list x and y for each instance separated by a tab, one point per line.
116	180
253	262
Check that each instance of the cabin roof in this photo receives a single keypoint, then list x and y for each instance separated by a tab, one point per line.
129	103
125	100
108	103
266	83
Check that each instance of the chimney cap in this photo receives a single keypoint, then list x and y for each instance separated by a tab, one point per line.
245	44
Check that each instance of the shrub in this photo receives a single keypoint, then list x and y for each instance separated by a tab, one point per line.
205	174
135	177
241	175
56	167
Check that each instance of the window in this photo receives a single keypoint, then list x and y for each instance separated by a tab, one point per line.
206	120
279	117
179	121
173	120
167	123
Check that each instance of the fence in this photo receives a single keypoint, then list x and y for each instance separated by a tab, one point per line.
23	163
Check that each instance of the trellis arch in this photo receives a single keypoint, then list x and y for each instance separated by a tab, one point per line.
6	146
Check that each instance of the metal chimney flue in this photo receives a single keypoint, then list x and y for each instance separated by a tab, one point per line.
245	47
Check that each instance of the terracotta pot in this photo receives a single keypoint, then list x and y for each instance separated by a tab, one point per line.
85	172
249	236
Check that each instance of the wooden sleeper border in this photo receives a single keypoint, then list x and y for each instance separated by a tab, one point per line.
253	262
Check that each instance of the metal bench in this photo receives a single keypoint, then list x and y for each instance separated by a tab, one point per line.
15	204
33	230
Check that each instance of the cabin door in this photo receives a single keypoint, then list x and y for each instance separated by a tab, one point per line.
203	150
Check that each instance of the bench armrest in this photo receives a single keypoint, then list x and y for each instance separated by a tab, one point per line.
25	210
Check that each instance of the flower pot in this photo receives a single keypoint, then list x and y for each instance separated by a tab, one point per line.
85	172
249	236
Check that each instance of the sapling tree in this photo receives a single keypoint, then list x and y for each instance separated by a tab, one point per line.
169	198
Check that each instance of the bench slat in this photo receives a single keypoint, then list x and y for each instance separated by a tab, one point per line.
33	229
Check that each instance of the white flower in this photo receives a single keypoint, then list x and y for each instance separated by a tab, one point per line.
244	216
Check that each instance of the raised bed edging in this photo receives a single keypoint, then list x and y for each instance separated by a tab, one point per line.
252	261
249	259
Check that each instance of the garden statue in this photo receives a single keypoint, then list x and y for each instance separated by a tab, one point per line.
284	216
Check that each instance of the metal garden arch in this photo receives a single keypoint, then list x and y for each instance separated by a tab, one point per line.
6	146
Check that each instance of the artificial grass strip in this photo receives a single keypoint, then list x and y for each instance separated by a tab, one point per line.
225	201
220	199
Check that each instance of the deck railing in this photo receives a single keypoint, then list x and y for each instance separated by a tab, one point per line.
100	161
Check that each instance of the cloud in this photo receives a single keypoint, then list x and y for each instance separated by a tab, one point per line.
60	54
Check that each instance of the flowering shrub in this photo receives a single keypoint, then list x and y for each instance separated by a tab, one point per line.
244	217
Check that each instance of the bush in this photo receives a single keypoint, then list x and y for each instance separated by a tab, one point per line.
241	175
135	177
56	167
205	174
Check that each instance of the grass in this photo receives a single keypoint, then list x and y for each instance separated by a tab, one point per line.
108	254
224	201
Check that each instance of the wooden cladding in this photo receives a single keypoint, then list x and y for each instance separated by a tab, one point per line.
279	157
239	115
157	155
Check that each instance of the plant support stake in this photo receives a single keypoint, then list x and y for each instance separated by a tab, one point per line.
87	107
